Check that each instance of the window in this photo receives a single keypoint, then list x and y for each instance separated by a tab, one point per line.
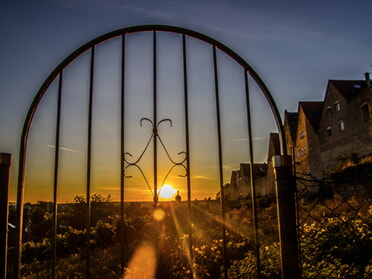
341	126
329	111
301	152
357	86
302	135
329	131
365	113
337	106
310	147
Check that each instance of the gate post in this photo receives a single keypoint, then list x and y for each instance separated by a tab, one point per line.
5	162
286	207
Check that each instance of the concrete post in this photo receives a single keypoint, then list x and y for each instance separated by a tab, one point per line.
285	195
5	162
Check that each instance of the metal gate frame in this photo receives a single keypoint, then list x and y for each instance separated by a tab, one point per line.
282	164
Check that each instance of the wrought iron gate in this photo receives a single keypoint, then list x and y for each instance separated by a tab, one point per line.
148	151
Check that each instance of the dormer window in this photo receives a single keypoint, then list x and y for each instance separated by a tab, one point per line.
341	126
329	111
329	131
337	106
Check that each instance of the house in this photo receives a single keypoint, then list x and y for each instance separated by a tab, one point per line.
326	136
322	137
290	130
240	182
268	188
346	127
306	148
239	186
231	190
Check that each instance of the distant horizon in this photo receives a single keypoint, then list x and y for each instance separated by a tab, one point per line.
14	203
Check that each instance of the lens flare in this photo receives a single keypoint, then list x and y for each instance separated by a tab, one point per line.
142	264
158	214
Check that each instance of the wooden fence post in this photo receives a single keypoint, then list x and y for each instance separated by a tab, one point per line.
5	162
285	195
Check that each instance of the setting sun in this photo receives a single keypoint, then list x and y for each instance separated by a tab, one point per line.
166	191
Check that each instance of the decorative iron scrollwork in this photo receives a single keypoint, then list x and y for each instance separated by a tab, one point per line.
155	136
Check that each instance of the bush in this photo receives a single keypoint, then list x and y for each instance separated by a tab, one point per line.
247	267
334	243
338	248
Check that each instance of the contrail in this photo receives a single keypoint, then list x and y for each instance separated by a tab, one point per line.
65	149
246	139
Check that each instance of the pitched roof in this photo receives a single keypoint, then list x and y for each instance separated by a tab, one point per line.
313	112
349	88
290	119
259	170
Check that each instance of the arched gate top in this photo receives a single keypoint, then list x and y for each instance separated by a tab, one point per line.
154	28
91	45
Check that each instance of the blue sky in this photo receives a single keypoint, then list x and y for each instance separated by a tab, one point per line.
295	46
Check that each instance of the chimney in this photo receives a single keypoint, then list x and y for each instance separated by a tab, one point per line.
367	79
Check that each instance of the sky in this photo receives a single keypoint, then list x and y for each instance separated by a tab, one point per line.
294	46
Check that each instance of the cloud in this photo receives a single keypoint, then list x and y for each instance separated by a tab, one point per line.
240	139
65	149
201	177
108	188
260	138
246	139
142	7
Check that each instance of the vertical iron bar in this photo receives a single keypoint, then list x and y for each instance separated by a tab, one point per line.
55	186
155	122
185	89
155	134
5	162
252	179
220	162
122	223
89	161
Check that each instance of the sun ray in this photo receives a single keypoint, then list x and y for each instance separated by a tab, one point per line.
184	243
227	224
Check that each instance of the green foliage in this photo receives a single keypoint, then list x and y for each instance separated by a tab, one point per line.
70	242
247	267
339	247
103	234
36	250
208	259
334	243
